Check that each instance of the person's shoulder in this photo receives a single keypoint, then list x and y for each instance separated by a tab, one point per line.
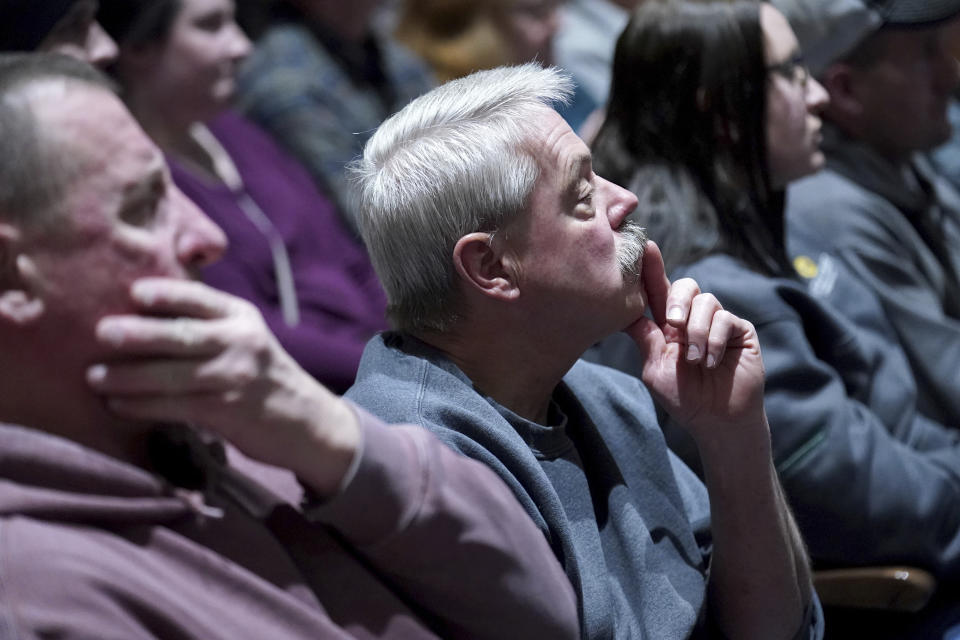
65	562
388	377
236	132
255	151
754	296
829	198
54	572
723	274
829	212
401	378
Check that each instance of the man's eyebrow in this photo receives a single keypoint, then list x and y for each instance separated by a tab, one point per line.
578	167
148	182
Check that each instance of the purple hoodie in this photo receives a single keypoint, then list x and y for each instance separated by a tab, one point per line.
421	543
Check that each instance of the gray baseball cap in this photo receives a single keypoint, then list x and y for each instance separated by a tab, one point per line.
829	29
908	13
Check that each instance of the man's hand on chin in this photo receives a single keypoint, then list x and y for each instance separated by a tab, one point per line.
204	357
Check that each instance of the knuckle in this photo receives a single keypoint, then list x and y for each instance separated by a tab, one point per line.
727	317
248	311
246	374
708	300
696	333
716	342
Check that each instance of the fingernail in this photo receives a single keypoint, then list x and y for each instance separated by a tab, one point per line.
110	333
675	313
96	373
144	292
693	352
711	361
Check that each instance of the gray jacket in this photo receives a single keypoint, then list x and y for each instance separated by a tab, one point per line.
628	520
883	223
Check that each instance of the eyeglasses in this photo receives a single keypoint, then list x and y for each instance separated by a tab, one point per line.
795	70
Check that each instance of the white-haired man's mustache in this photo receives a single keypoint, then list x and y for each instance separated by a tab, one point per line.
631	241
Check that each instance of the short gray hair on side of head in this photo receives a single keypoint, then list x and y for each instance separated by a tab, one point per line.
452	162
33	176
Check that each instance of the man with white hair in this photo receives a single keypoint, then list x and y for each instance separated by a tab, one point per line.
122	514
504	257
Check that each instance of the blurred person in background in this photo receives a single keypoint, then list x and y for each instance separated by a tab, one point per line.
458	37
61	26
586	40
880	207
289	253
322	77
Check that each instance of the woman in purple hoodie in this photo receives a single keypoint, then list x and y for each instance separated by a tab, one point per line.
288	253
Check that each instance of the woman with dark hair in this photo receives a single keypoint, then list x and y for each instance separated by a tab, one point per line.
289	253
712	113
688	105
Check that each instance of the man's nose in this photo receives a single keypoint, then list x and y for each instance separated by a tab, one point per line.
620	202
817	96
199	241
101	49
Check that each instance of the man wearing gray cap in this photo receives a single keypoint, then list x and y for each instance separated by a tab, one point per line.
62	26
879	207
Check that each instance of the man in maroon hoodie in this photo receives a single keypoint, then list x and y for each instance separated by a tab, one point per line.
117	520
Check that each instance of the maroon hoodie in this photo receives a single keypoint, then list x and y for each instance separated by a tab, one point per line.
421	543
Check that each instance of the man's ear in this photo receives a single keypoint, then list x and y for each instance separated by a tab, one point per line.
840	81
20	303
484	265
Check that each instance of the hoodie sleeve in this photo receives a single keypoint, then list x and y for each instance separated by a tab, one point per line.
449	535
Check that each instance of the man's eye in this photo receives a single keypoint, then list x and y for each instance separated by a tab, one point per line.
140	213
585	204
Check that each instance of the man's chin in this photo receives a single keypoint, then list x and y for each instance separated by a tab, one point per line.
635	309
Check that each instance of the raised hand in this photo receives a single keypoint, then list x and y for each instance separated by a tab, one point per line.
200	356
702	363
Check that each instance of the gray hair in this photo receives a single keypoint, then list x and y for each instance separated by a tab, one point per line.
453	162
33	176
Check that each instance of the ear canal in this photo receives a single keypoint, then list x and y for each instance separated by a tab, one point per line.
19	302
